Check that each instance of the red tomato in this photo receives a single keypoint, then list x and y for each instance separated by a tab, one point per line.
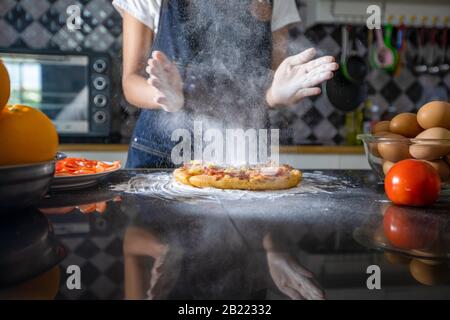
406	228
412	183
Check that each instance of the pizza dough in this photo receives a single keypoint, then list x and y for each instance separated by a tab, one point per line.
246	178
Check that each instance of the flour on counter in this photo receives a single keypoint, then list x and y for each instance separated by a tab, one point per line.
162	185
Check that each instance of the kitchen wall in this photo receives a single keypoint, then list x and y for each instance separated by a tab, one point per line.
40	24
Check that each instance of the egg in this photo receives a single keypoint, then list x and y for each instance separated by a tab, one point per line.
387	165
394	149
430	262
373	146
397	259
434	114
382	126
431	150
379	235
442	169
429	274
406	125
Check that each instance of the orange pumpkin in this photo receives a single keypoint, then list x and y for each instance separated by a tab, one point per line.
5	86
26	136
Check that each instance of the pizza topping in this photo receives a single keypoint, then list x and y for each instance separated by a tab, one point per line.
80	166
214	171
195	170
244	176
243	172
270	171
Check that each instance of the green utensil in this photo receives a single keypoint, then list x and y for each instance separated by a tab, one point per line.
384	55
388	44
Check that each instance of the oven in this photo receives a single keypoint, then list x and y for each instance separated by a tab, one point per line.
72	88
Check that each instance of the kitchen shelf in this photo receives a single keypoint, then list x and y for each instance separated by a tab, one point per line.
322	149
411	13
93	147
283	149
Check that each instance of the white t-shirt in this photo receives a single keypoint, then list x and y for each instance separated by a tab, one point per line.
147	11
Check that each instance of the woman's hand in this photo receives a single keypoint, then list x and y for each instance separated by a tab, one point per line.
165	78
298	77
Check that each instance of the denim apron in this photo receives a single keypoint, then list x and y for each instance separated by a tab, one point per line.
223	53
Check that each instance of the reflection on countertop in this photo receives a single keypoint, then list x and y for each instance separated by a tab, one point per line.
313	244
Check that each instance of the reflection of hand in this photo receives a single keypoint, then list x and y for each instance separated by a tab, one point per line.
139	244
291	278
164	275
165	77
298	77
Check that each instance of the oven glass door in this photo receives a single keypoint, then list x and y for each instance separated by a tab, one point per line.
55	84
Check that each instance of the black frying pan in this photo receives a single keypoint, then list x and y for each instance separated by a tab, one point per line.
346	90
345	95
353	66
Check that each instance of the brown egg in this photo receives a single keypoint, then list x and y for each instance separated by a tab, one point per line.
406	125
431	262
428	274
373	147
382	126
431	150
442	169
434	114
397	259
387	165
379	235
394	150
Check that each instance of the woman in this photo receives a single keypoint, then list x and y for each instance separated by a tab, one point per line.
209	61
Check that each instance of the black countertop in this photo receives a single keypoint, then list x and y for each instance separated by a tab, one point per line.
137	230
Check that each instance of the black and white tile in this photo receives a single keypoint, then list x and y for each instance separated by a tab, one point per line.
41	24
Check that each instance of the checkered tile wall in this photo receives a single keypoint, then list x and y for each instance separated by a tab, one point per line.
40	24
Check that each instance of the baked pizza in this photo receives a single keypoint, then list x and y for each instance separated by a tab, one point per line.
258	177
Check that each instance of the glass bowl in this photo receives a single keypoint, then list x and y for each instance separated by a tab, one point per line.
383	152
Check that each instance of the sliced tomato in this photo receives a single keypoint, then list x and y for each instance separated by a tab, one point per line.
101	206
62	210
88	208
81	166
